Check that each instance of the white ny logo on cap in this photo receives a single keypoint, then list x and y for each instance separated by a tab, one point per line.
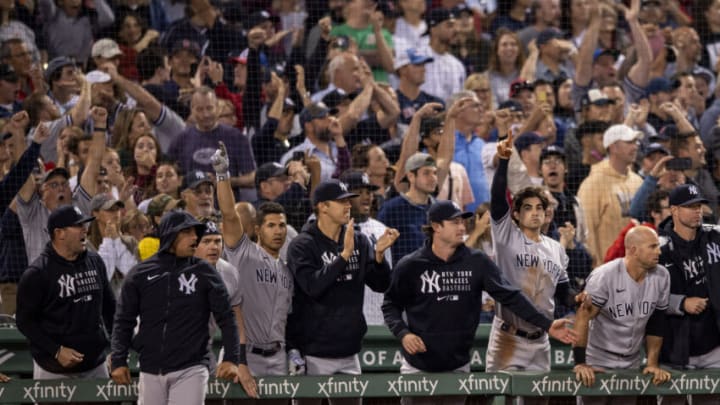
693	190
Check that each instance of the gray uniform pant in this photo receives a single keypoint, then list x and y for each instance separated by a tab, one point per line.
322	366
275	365
707	360
605	360
40	373
182	387
406	368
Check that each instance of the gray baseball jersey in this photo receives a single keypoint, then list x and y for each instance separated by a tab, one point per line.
263	286
372	302
625	308
34	216
535	267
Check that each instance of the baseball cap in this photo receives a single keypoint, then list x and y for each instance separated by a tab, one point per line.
418	160
331	190
105	48
314	111
552	150
239	57
104	202
66	216
527	139
160	202
620	132
194	179
607	51
548	35
428	125
211	228
57	64
665	134
437	16
445	210
596	97
513	105
357	179
519	85
658	85
337	97
7	73
654	148
58	171
388	9
97	76
258	18
686	194
411	56
185	45
646	2
269	170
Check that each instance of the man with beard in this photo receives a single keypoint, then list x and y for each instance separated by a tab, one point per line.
358	183
445	75
65	305
34	207
323	139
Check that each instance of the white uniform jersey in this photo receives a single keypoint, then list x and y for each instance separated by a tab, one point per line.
625	308
534	267
374	229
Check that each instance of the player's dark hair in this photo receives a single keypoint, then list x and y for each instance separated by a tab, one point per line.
530	192
267	208
654	201
428	231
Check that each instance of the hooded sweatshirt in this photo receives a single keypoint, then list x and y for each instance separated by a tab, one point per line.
327	317
66	303
442	301
174	297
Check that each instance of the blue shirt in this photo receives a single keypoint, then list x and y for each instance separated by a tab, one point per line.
408	219
408	107
468	154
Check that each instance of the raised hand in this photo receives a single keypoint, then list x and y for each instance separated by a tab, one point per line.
504	147
386	240
220	160
349	241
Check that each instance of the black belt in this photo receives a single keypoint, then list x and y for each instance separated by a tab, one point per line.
624	356
266	352
506	327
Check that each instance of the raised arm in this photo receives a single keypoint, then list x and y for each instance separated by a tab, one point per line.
88	181
583	68
499	205
390	108
79	112
639	74
232	226
149	104
412	138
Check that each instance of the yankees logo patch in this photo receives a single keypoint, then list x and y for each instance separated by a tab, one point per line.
187	286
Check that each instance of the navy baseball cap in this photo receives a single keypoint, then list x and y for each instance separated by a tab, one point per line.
331	190
596	97
8	74
185	45
314	111
258	18
195	178
446	210
513	105
548	35
658	85
552	150
430	124
437	16
337	97
66	216
357	179
519	85
269	170
654	148
57	64
211	228
609	51
686	194
526	140
58	171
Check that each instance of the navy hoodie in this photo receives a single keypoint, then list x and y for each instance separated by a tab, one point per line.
442	301
174	298
68	303
327	318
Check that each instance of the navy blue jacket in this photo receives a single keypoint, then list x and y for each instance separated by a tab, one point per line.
442	301
327	318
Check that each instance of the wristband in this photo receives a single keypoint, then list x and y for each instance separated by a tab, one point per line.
222	176
57	353
579	355
99	129
242	355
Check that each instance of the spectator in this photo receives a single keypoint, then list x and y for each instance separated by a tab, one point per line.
18	55
60	78
407	212
657	178
193	147
410	27
410	67
185	373
529	146
168	179
693	148
104	51
554	171
143	166
688	51
198	193
435	331
445	75
274	140
130	124
183	55
546	14
288	186
133	37
64	288
471	48
68	27
506	60
330	266
9	86
135	224
160	205
606	193
371	160
364	25
153	71
324	138
684	95
523	92
260	299
12	27
511	15
689	337
152	12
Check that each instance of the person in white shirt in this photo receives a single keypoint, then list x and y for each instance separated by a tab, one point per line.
445	75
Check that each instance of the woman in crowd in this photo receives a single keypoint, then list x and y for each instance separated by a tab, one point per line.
506	61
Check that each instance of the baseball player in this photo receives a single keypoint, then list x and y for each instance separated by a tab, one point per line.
261	286
532	262
625	301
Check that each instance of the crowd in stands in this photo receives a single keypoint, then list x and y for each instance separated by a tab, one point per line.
119	108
